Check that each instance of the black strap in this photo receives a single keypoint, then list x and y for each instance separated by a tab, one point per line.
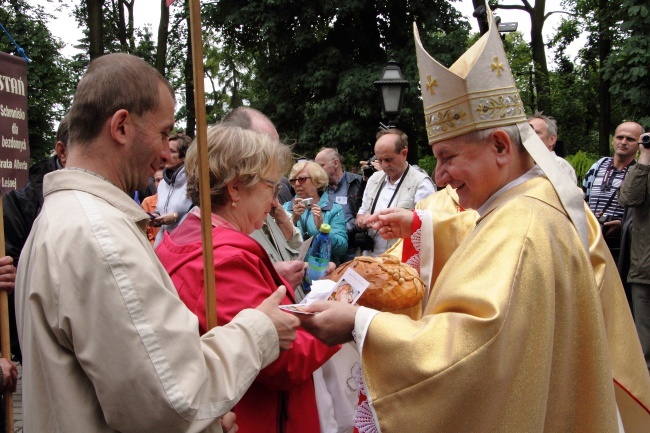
374	203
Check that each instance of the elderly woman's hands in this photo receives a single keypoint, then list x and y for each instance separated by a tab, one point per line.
318	215
298	209
293	271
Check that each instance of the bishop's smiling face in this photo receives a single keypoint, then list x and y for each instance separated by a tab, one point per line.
468	167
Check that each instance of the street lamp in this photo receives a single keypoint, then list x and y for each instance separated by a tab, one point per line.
393	86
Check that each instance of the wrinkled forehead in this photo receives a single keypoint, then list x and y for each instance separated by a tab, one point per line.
538	124
449	146
628	130
386	144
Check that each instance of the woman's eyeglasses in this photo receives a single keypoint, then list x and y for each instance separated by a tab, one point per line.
301	180
276	187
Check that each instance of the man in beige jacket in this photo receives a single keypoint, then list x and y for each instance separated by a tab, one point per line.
107	344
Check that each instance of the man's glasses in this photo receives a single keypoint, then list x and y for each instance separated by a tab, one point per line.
301	180
276	187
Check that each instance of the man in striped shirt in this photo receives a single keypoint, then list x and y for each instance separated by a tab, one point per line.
605	177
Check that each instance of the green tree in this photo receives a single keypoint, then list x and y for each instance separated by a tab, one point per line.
538	17
600	20
627	67
315	63
575	93
49	84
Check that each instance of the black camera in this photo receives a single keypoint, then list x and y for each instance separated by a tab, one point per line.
604	219
645	140
370	169
364	241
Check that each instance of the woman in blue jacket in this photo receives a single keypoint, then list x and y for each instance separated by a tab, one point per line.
309	180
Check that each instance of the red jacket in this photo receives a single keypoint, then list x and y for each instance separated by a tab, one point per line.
281	399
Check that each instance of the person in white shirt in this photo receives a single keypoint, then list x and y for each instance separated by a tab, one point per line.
397	185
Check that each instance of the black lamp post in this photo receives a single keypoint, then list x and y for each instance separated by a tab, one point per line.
393	86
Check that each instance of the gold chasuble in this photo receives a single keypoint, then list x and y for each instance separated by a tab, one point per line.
447	224
523	332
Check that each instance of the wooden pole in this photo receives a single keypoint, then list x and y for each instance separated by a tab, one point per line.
204	169
5	341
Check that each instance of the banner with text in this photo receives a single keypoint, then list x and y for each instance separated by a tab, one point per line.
14	147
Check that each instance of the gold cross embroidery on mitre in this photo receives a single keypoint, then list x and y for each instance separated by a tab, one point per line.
431	84
496	66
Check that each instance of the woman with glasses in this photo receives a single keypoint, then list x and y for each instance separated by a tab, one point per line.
310	181
245	172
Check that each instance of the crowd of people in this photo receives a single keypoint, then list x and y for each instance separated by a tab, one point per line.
524	326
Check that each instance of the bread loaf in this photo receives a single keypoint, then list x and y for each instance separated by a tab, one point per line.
393	285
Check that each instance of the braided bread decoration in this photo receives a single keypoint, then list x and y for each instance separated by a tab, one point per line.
393	285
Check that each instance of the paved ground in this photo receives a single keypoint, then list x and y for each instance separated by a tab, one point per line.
18	402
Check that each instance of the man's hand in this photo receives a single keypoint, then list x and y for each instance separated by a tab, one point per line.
333	324
611	227
228	423
282	220
9	375
286	324
644	154
392	223
361	222
292	271
7	274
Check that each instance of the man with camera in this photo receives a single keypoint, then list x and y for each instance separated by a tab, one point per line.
635	194
397	185
605	177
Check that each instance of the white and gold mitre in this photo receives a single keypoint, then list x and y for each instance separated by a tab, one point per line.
476	92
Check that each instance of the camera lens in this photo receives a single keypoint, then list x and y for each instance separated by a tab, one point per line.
645	140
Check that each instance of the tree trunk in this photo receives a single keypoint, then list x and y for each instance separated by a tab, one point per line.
121	25
130	27
539	57
189	80
604	100
95	28
163	34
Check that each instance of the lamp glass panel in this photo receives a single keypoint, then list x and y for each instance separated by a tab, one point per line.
391	96
391	74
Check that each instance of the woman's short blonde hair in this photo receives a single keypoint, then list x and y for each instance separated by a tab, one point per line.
316	172
235	153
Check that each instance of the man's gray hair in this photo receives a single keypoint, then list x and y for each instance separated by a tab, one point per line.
332	154
482	135
551	123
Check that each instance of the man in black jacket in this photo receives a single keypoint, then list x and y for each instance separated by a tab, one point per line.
347	190
20	209
634	195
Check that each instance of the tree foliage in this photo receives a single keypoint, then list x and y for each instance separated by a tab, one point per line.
49	83
628	67
313	63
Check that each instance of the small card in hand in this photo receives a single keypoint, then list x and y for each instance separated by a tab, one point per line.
295	308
